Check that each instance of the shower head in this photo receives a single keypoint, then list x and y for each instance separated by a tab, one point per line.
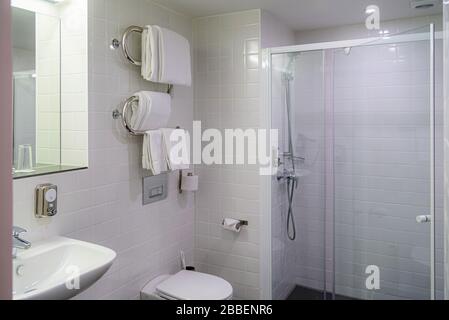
287	76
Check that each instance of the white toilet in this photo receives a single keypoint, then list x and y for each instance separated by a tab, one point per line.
187	285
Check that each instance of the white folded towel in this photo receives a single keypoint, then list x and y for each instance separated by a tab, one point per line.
177	148
152	111
174	57
165	57
153	152
150	54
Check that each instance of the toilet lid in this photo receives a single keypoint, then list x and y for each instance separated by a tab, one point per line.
189	285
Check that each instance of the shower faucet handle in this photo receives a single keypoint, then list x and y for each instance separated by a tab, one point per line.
16	231
424	219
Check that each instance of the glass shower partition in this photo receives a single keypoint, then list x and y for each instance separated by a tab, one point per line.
298	237
384	168
367	152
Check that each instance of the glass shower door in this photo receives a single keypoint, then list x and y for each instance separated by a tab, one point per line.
384	168
298	214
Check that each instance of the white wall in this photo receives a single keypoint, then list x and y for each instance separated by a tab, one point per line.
273	32
359	31
104	203
74	83
227	96
48	90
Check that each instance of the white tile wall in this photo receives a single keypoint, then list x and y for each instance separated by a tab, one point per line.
48	90
227	96
74	84
103	204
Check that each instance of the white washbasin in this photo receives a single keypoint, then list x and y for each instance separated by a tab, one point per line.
49	269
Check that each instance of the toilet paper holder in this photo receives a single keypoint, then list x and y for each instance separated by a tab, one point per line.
180	181
241	223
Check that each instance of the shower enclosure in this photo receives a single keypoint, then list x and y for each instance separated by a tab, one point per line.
355	211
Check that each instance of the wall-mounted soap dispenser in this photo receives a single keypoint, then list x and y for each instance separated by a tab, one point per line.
46	201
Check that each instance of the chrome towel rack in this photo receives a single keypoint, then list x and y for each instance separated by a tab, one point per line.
116	44
117	114
124	43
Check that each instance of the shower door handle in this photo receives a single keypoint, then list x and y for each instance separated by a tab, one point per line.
424	219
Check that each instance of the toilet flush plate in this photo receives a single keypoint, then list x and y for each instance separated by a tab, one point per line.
155	188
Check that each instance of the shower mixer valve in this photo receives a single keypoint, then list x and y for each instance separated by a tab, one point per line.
287	175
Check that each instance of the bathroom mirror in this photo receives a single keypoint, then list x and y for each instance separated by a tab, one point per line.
49	93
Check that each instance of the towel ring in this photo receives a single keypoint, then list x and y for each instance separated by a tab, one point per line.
117	114
126	34
116	44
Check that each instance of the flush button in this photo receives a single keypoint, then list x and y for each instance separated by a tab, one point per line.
154	188
51	195
158	191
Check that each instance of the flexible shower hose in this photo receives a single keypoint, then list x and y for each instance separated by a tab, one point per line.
292	184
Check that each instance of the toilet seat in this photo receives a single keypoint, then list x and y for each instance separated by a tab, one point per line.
189	285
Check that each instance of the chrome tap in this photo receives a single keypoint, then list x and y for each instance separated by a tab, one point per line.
17	241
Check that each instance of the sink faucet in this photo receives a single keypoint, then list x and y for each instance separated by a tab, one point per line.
17	241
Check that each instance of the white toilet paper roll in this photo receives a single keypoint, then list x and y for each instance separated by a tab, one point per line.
232	225
189	183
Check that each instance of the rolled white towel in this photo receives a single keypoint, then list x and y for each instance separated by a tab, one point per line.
152	111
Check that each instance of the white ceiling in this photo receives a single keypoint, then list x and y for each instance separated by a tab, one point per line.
304	14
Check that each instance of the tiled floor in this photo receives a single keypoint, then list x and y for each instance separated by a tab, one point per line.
302	293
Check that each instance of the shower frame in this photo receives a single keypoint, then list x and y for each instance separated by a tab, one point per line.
266	120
